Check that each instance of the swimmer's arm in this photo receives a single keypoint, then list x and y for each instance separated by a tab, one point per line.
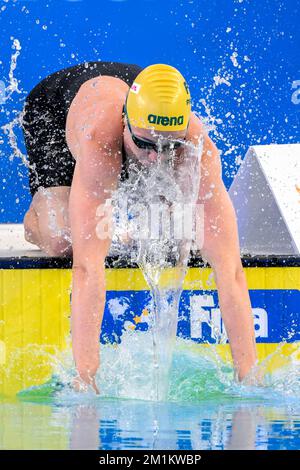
96	174
221	249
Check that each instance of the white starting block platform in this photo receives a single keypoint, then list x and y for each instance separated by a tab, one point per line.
13	243
266	197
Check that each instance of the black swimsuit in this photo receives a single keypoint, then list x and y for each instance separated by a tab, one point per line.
44	120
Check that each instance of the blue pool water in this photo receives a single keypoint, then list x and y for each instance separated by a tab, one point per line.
204	409
130	424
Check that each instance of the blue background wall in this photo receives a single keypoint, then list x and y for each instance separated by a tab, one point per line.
253	45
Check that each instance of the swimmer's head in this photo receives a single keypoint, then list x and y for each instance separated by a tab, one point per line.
157	108
159	99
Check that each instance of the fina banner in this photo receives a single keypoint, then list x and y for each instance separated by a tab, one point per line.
275	311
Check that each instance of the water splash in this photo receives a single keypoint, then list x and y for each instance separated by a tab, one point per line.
12	124
197	373
160	196
13	82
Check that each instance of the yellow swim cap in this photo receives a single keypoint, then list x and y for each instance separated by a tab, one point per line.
159	98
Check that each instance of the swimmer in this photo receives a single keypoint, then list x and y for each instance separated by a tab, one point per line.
82	125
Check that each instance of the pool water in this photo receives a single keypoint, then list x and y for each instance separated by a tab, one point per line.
109	424
204	408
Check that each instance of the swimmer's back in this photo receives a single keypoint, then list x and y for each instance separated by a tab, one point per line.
52	153
64	84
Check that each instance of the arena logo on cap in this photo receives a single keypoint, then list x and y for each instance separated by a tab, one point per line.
165	120
135	87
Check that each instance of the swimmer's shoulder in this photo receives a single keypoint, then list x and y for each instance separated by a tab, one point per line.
96	108
197	131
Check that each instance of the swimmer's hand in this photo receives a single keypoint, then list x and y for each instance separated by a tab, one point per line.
83	381
254	378
86	365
